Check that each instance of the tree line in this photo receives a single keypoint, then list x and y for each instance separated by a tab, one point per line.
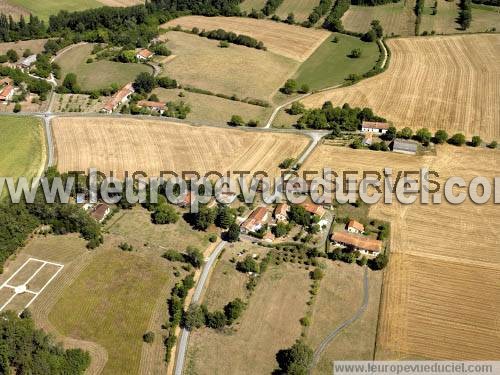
27	350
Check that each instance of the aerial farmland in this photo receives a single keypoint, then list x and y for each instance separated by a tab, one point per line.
110	274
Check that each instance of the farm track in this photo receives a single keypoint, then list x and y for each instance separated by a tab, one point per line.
331	336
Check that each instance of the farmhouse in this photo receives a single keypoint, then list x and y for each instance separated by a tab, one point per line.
280	212
363	244
144	54
255	220
374	127
404	147
314	209
27	62
7	93
154	106
354	226
101	211
118	98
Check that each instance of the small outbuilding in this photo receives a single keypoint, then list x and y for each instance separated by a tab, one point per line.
404	146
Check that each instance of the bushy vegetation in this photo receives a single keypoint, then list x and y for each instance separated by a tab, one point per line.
319	11
271	6
230	37
336	118
465	14
193	256
27	350
333	20
295	360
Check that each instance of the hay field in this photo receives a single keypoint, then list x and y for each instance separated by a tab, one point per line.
98	74
238	70
444	22
212	110
13	10
339	297
270	323
441	289
396	18
248	5
300	8
35	45
22	146
294	42
444	82
154	146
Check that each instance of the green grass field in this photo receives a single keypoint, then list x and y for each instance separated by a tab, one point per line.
45	8
111	303
248	5
213	110
22	146
329	65
99	74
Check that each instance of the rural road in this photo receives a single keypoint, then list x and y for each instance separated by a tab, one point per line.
183	341
328	339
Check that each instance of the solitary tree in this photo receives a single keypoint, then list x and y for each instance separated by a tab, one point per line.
194	256
144	82
12	55
423	136
476	141
233	233
290	87
355	53
295	360
457	139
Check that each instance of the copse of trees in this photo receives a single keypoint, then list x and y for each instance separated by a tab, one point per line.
333	20
270	6
337	118
248	264
465	14
319	11
27	350
11	30
297	359
230	37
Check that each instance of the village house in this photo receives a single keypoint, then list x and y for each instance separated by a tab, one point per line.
153	106
403	146
6	93
100	212
26	63
281	212
314	209
144	54
120	97
374	127
364	245
255	220
354	226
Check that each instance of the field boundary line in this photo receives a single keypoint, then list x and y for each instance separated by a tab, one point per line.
25	283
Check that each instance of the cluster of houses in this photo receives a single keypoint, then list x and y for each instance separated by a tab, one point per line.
402	146
259	217
353	237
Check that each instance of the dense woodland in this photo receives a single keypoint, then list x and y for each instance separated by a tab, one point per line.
27	350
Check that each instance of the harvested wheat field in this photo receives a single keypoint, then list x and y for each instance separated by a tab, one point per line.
119	145
444	82
396	18
13	10
441	290
295	42
301	9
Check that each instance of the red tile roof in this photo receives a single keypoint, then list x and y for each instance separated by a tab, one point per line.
255	218
313	209
150	104
118	97
6	92
356	225
281	209
358	241
145	53
99	212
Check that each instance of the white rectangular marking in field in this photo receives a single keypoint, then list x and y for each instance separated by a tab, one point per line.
23	288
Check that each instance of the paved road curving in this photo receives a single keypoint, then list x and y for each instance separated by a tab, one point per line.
183	341
328	339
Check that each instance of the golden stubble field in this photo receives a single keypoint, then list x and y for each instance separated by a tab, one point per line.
113	144
441	292
295	42
443	82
